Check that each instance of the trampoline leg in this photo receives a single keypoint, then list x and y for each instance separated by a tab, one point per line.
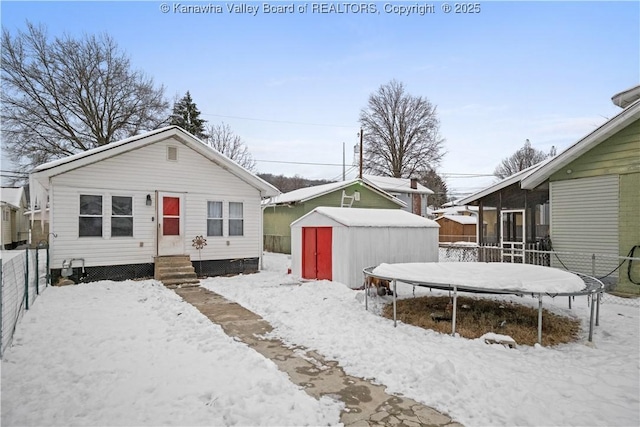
540	319
394	302
366	292
453	315
591	321
598	308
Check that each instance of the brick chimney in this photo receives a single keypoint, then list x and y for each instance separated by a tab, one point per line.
416	207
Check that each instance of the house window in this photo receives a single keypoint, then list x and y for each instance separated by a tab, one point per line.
90	222
121	216
5	215
214	218
236	221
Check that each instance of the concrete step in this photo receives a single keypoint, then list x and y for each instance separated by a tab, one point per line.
175	270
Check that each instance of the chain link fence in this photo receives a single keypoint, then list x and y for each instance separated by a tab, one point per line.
24	274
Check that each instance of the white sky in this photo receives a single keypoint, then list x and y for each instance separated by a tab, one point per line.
133	353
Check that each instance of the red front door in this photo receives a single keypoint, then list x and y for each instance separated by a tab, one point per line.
316	253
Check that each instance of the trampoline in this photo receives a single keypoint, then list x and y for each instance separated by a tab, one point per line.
490	278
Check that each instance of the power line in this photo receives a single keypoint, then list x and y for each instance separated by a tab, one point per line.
279	121
300	163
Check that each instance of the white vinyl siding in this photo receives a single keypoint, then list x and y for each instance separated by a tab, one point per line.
139	173
584	220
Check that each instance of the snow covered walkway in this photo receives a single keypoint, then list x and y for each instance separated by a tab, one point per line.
364	403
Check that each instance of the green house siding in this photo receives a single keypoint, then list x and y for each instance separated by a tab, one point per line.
617	155
277	220
629	230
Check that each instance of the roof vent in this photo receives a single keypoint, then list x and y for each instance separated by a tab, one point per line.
172	153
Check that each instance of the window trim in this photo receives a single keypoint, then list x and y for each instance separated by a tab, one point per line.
81	215
212	218
132	216
241	219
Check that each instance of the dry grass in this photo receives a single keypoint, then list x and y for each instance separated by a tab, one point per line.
478	316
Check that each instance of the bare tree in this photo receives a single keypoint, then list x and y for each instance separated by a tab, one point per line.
67	95
400	132
223	139
522	159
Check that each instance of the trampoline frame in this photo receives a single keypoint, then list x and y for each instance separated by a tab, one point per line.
592	286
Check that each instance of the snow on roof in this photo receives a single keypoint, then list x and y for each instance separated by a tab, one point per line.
304	194
308	193
44	171
486	275
396	185
12	196
461	219
362	217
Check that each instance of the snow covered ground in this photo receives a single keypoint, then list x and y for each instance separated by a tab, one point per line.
132	353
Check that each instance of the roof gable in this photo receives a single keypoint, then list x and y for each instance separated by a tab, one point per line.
396	185
60	166
617	123
302	195
362	217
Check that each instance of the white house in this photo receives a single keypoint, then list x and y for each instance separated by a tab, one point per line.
408	190
337	243
15	229
117	207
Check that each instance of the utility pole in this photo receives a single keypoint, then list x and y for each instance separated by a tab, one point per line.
360	175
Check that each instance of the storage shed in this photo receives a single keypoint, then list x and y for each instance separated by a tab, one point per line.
337	243
457	228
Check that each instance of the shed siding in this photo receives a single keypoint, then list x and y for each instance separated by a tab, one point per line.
356	248
584	219
141	172
619	154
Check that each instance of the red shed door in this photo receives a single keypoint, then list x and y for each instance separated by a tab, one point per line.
316	253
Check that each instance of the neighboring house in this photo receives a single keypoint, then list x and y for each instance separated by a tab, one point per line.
116	208
282	210
587	197
15	227
409	190
457	228
38	226
337	243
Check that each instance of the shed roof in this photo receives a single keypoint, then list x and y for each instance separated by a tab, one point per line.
60	166
362	217
304	194
396	185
